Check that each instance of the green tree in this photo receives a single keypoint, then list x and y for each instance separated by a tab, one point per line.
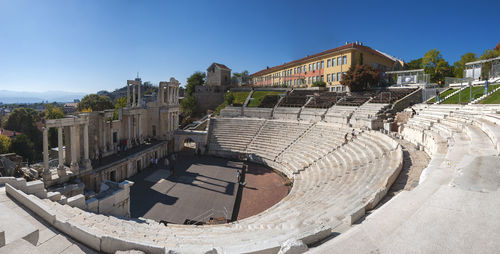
94	102
460	65
197	79
360	77
239	78
4	144
23	146
119	103
319	84
189	106
415	64
436	66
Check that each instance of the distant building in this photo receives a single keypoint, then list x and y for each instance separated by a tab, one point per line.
218	75
327	66
211	94
69	107
9	133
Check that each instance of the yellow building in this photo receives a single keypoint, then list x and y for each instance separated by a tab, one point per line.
327	66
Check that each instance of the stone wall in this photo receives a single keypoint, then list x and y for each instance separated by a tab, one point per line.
265	113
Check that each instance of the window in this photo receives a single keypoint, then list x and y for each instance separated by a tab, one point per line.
314	66
309	80
322	77
338	61
333	61
321	64
339	76
327	77
344	60
333	77
305	68
328	63
310	67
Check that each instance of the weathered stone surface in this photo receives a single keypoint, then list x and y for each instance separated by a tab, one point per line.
293	246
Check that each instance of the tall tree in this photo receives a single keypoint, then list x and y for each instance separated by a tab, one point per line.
196	79
436	66
22	145
94	102
24	121
360	77
460	65
4	144
415	64
119	103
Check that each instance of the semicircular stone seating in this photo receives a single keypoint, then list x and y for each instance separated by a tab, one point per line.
454	207
338	173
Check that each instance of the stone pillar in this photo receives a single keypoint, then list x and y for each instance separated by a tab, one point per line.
139	100
135	127
74	157
129	129
140	128
86	160
133	96
61	170
103	134
128	94
111	144
60	147
46	171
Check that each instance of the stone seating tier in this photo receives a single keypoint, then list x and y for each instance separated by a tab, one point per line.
338	182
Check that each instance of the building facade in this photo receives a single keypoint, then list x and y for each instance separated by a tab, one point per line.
327	66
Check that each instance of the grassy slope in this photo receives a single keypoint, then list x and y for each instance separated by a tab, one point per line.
444	94
257	97
476	93
494	98
240	97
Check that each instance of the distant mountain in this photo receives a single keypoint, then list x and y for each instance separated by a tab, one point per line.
8	96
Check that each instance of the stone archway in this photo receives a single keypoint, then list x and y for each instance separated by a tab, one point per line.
198	137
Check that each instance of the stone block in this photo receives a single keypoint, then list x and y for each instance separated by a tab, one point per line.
90	239
293	246
77	201
111	244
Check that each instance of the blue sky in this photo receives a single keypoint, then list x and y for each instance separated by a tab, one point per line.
86	46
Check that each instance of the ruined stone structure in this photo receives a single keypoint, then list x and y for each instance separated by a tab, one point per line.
218	81
99	147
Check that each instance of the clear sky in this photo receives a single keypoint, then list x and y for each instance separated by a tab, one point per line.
91	45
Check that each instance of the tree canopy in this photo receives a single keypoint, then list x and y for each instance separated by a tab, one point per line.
52	112
196	79
119	103
360	77
415	64
94	102
240	77
436	66
22	145
4	144
460	65
24	121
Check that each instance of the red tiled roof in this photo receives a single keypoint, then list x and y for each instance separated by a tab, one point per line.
347	46
222	66
9	133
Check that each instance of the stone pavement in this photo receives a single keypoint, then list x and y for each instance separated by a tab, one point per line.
200	184
50	240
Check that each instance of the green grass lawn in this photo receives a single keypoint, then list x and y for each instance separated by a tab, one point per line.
494	98
477	92
443	94
257	97
240	97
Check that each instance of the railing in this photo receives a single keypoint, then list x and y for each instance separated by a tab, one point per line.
203	217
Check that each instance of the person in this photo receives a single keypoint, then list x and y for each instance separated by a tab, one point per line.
238	176
345	138
413	112
166	162
156	162
151	160
437	95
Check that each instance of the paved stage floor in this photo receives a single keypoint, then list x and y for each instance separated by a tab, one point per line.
201	185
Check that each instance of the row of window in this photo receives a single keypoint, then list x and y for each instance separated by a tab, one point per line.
312	66
331	77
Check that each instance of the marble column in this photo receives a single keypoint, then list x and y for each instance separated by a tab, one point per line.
139	101
129	130
103	134
111	144
74	156
86	160
60	147
140	128
128	95
133	96
45	150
